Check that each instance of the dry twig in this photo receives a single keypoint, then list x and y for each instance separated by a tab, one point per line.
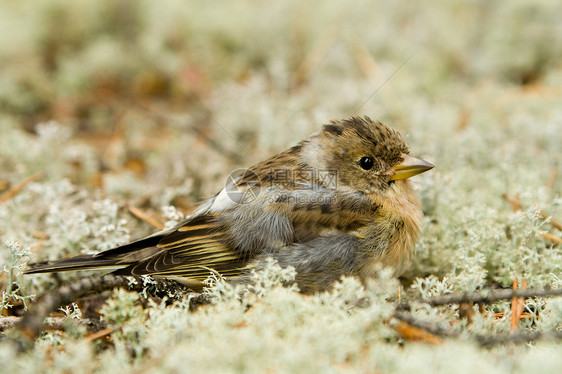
487	297
551	237
101	334
433	328
146	218
513	201
516	205
518	337
416	334
20	186
517	304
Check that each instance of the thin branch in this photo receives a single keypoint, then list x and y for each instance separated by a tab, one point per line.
519	337
53	323
484	341
8	322
486	297
31	323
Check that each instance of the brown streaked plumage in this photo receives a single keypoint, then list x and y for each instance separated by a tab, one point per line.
338	203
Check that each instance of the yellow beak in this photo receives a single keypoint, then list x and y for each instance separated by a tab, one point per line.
409	167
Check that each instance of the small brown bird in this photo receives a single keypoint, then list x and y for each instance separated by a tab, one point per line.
337	203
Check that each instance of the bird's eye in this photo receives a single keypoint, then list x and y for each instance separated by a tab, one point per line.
366	163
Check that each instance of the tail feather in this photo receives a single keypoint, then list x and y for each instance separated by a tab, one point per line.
84	262
115	258
120	258
126	249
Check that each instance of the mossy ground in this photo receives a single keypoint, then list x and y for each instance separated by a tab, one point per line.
123	104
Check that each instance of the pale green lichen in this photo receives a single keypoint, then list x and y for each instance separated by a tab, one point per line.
13	270
90	88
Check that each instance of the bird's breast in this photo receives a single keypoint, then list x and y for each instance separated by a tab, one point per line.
391	237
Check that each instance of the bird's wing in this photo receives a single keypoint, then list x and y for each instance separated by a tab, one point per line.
238	184
228	242
188	250
324	210
191	251
260	209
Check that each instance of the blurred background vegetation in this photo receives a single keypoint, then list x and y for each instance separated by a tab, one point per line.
217	85
109	105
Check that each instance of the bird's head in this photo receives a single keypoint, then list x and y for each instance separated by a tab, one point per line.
365	155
